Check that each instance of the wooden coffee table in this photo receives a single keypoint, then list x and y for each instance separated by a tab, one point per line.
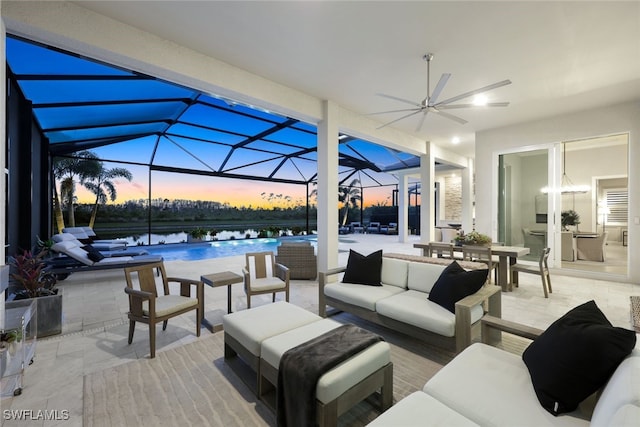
225	278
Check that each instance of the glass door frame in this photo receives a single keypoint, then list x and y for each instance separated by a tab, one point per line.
554	175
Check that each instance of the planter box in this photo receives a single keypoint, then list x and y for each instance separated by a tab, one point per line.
48	313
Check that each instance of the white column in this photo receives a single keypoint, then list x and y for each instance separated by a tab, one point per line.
403	208
467	197
427	196
328	187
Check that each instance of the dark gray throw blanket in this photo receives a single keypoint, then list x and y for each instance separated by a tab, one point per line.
301	367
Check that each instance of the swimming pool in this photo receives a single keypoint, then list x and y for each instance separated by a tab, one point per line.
216	249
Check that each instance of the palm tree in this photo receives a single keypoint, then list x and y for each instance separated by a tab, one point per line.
103	187
66	170
349	195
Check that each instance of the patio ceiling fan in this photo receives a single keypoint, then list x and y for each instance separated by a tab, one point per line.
430	103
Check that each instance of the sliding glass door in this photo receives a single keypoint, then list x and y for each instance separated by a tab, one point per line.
522	203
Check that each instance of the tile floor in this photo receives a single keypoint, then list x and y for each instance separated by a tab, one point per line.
95	325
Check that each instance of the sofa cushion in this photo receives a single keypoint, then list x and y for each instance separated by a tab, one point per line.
574	357
422	276
413	308
361	296
413	410
394	272
622	388
456	283
492	387
363	270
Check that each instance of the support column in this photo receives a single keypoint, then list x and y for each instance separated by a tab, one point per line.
427	196
467	197
327	187
403	208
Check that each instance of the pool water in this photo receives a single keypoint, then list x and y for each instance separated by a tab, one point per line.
216	249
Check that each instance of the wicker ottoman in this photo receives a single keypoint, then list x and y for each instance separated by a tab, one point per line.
340	388
245	330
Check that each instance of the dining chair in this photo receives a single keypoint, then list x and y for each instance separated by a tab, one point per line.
481	254
440	250
146	306
262	275
542	270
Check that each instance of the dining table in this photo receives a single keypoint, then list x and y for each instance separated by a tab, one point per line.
507	256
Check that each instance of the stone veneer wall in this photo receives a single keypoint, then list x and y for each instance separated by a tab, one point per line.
453	197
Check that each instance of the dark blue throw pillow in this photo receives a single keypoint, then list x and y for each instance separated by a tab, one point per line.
364	270
456	283
575	356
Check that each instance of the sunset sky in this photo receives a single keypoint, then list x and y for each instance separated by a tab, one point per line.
224	190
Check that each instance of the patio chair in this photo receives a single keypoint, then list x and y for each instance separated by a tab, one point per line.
481	254
300	258
146	306
440	250
373	227
542	270
262	275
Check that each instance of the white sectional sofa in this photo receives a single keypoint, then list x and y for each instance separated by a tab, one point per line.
402	304
487	386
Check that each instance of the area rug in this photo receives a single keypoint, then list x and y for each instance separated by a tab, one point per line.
193	386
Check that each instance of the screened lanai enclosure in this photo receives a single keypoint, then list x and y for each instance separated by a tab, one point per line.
195	160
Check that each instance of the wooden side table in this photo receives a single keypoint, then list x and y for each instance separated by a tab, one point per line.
225	278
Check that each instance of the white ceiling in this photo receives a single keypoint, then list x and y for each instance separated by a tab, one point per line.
561	56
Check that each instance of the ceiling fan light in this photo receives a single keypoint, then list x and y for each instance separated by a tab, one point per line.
480	100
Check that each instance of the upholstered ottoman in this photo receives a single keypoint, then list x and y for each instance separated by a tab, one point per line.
245	330
340	388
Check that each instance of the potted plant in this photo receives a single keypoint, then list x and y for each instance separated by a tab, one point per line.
196	235
33	281
569	218
474	238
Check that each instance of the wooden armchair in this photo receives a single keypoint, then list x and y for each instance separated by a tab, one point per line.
146	306
262	275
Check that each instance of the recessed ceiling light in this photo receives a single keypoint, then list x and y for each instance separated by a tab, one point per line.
480	100
455	140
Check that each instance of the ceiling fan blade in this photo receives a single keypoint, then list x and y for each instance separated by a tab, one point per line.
475	92
451	117
453	106
436	92
406	101
391	111
421	122
397	120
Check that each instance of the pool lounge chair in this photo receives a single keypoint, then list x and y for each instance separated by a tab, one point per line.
107	249
87	235
74	259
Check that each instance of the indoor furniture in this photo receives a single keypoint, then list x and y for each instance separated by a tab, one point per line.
262	275
300	258
535	240
542	270
402	303
147	306
448	234
568	243
224	278
591	247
